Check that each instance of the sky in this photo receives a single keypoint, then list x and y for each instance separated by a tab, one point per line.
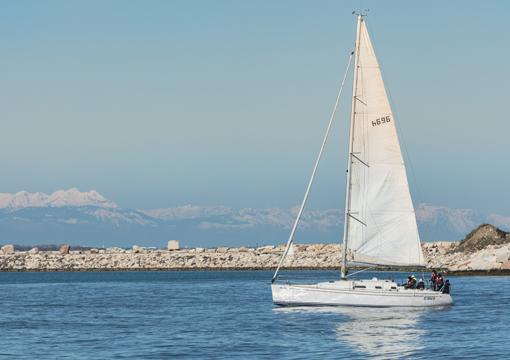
156	104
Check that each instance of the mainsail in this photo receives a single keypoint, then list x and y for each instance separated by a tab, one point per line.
382	226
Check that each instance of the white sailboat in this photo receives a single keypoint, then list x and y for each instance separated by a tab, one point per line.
380	224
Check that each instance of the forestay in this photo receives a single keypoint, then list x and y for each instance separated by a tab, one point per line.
382	226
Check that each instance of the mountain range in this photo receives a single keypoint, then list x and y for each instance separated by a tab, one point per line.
87	218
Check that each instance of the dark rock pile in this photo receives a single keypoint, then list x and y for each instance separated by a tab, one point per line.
480	238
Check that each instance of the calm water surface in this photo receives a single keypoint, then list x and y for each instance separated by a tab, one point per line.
218	315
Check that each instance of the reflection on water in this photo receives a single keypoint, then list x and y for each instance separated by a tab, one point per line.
380	333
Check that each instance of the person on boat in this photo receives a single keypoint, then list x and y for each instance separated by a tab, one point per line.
420	285
439	282
411	283
433	280
446	287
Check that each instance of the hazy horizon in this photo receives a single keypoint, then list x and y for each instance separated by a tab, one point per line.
165	104
88	218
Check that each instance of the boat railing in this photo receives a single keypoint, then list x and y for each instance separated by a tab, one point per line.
429	285
315	280
303	280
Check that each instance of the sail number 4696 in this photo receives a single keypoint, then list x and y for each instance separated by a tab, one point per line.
381	121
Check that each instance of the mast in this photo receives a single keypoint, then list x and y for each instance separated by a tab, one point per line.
353	114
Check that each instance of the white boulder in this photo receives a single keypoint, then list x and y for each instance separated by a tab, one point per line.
266	248
8	249
503	258
173	245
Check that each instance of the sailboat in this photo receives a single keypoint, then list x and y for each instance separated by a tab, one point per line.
380	228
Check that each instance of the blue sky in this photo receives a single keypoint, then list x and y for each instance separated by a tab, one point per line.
167	103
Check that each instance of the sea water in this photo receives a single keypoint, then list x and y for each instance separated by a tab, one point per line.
230	314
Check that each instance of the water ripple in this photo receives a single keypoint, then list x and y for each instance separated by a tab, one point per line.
217	315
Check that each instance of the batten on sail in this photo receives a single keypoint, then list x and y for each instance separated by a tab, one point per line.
366	260
386	232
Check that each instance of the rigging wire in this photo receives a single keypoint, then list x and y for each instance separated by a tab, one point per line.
289	243
396	118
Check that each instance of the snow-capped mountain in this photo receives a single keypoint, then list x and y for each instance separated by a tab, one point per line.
72	217
60	198
499	221
88	218
203	225
76	217
458	221
436	223
189	212
439	223
82	208
249	217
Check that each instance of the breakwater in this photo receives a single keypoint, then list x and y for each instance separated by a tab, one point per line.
492	258
223	258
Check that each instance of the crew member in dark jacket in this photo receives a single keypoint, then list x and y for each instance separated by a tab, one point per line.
446	287
433	280
408	283
420	285
439	282
411	283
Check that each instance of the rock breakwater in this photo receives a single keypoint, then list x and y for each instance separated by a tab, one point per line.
315	256
319	256
484	249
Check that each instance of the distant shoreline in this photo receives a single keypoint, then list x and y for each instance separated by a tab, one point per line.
494	272
489	260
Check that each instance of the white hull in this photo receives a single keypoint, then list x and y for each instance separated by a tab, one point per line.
343	293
